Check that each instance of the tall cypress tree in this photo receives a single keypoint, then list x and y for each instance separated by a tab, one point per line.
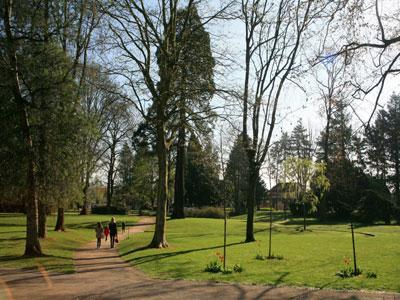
236	174
300	144
201	174
384	147
195	87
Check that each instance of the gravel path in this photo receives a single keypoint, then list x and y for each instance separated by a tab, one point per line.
102	274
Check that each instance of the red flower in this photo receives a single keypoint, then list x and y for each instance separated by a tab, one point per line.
346	261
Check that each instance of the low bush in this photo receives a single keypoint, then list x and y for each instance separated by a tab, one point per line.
348	272
213	267
238	268
205	212
112	210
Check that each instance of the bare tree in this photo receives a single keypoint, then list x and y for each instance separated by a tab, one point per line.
274	35
331	84
32	245
97	100
372	44
118	131
145	34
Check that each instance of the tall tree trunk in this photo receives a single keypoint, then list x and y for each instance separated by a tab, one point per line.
304	216
84	210
179	195
42	207
159	238
32	245
246	142
253	175
397	183
42	212
60	220
41	177
323	204
110	176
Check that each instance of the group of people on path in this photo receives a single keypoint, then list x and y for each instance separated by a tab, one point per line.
111	229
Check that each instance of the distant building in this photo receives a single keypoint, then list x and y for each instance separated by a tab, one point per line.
281	195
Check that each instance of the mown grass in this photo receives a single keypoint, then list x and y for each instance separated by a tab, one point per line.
58	247
311	258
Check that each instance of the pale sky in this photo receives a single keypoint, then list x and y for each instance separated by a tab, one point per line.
228	37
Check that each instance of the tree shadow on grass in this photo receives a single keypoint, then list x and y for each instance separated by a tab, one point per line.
148	258
12	239
278	281
299	221
177	288
11	215
14	231
276	216
308	293
12	225
26	257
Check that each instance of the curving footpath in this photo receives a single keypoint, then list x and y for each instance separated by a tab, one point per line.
102	274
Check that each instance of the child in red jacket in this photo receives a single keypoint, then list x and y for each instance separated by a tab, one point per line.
106	232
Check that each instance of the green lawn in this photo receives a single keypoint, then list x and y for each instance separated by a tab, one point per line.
58	246
310	258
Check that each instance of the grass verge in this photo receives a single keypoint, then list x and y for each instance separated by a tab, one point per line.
58	247
310	258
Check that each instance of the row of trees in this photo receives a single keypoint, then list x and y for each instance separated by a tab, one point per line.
361	168
61	116
71	120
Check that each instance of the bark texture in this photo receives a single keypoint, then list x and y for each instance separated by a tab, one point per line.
60	220
179	195
32	245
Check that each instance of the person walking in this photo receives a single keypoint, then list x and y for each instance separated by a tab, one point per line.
112	226
106	232
99	234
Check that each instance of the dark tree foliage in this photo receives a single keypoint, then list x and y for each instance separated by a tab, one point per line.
345	179
236	175
202	182
195	86
348	183
362	169
383	150
13	170
300	144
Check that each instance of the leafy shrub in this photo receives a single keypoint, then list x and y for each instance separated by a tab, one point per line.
345	273
372	275
238	268
205	212
112	210
348	272
213	267
296	208
227	271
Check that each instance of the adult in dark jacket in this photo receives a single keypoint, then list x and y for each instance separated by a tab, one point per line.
112	226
